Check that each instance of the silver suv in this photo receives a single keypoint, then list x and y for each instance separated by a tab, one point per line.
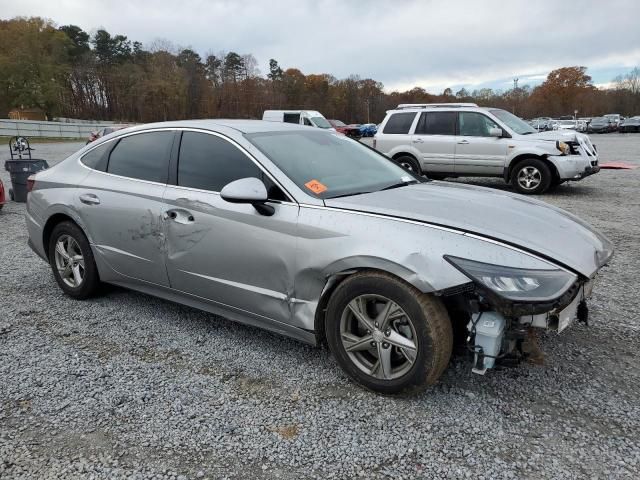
464	140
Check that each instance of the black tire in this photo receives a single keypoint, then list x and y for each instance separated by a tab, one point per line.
428	316
409	163
541	174
90	283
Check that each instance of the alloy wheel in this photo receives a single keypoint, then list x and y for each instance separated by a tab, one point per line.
529	178
378	337
69	261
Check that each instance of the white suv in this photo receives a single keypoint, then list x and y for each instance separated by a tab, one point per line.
464	140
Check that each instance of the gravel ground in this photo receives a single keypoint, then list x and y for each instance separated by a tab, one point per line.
130	386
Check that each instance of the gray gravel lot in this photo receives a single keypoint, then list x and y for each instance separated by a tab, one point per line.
129	386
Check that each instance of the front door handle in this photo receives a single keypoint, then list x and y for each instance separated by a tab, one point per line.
418	140
179	216
89	199
463	142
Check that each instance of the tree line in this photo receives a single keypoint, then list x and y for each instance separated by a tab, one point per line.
67	72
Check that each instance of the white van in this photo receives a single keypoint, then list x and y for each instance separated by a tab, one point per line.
310	118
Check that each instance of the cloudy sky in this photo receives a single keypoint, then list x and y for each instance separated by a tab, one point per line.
402	43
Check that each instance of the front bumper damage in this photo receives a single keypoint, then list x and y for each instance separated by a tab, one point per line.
497	328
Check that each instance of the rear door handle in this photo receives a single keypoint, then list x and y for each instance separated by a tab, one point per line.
89	199
463	142
418	140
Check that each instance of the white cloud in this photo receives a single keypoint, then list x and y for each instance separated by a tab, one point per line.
403	43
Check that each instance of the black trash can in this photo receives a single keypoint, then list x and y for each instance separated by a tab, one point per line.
20	171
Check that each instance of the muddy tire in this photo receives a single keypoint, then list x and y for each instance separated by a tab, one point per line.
386	335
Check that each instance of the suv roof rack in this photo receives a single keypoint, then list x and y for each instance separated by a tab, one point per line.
435	105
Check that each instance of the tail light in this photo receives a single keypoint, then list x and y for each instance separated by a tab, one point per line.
31	182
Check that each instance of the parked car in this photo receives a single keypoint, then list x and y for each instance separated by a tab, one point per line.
458	140
315	236
368	129
93	136
631	124
567	125
348	130
541	124
3	197
581	125
601	125
615	119
310	118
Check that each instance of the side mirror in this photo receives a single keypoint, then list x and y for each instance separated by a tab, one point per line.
495	132
248	190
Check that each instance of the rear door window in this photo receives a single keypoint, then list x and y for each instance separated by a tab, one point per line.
437	123
144	156
399	123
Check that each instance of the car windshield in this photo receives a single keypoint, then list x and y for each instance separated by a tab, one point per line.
568	122
338	123
600	120
329	165
320	122
514	123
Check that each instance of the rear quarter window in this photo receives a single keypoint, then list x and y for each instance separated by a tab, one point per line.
399	123
97	158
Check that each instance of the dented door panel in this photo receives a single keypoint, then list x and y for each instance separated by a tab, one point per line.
230	254
125	221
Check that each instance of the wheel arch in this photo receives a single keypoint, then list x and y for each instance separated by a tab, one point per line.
523	156
50	224
332	281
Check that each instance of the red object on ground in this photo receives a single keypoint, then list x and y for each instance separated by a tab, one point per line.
2	195
618	166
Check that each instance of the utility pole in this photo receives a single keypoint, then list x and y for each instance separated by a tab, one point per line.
515	92
367	102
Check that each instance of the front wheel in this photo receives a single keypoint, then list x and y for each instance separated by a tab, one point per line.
386	335
531	176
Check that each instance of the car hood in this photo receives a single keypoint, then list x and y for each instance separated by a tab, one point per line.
553	135
514	219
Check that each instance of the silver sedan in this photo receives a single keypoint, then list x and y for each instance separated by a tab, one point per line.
313	235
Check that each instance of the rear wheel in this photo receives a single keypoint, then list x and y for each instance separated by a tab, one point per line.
386	335
531	176
409	163
72	261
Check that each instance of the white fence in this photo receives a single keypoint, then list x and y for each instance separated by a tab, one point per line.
35	128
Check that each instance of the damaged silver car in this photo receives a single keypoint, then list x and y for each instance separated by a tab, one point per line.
313	235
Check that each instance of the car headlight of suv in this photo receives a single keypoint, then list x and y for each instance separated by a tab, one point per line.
563	147
516	284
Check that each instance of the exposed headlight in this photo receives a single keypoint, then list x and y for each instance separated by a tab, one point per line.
563	147
516	284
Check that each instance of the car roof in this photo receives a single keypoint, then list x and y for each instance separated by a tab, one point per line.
242	126
442	108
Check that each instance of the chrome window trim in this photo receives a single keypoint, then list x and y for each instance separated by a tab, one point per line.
241	148
119	137
196	130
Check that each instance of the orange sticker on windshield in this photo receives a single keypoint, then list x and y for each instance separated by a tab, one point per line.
315	186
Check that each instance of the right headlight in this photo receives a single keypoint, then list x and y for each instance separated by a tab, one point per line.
516	284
